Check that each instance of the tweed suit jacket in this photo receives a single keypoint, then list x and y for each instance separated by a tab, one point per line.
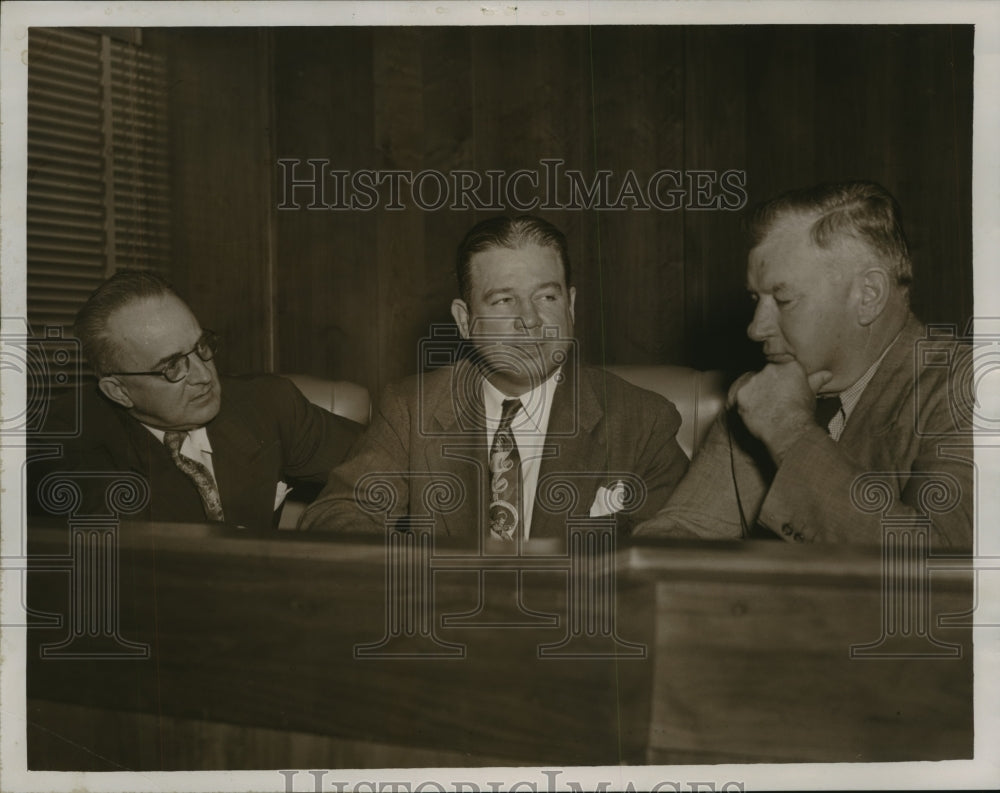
266	431
428	438
905	433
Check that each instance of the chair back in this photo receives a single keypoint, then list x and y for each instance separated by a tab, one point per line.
698	396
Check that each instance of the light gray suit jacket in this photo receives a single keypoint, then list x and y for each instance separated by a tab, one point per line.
905	454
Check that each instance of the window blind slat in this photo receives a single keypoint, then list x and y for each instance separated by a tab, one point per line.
82	133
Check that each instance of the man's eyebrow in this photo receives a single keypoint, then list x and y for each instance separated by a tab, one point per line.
165	360
497	290
549	285
781	285
180	354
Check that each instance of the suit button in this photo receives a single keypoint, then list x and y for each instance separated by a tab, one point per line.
786	529
798	537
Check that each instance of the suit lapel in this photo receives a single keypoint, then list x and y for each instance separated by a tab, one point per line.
172	493
577	450
879	402
235	450
459	422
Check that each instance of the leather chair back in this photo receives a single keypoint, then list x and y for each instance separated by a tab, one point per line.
698	396
341	397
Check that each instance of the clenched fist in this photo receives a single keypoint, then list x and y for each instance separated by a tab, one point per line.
777	403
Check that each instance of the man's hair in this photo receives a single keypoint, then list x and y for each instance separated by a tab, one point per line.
121	289
512	233
865	211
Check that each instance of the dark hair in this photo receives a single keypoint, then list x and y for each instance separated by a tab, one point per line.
865	211
505	232
121	289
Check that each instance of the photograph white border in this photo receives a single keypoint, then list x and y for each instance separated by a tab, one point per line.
15	17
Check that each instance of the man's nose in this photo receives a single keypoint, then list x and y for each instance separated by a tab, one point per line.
762	324
528	318
198	370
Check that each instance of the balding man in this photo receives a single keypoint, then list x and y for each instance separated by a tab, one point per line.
210	448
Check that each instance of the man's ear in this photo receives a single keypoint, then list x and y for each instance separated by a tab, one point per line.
114	390
460	313
875	287
572	304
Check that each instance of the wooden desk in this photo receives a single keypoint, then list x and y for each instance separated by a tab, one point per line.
266	651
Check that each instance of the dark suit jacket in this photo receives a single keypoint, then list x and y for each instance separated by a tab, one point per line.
907	431
265	431
427	445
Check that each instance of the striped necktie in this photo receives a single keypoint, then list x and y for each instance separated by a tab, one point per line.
198	474
505	477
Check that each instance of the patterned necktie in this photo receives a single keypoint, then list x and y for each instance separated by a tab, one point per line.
198	473
505	477
826	409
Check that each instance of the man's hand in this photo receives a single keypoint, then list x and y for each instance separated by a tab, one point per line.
777	403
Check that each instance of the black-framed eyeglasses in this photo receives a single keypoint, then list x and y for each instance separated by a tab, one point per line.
177	368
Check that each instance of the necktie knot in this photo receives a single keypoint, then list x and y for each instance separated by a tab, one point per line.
826	409
174	440
508	411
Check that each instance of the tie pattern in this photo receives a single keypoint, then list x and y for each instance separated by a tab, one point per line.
505	477
826	409
198	474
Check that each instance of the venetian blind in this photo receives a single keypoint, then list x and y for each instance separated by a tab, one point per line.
98	188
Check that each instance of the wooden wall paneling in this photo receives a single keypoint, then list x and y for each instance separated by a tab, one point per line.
639	128
782	96
934	172
897	110
531	102
327	285
715	119
449	146
399	243
564	130
220	151
725	692
955	200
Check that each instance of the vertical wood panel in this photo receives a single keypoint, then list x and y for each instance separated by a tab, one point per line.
449	145
220	154
897	110
716	117
399	244
639	121
327	285
356	290
781	110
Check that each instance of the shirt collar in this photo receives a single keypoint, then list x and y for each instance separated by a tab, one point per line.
535	405
198	437
850	396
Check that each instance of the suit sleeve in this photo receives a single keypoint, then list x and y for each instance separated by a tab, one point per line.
76	443
821	495
313	440
363	492
705	502
661	463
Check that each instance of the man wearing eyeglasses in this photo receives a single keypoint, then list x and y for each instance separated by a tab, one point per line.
211	448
